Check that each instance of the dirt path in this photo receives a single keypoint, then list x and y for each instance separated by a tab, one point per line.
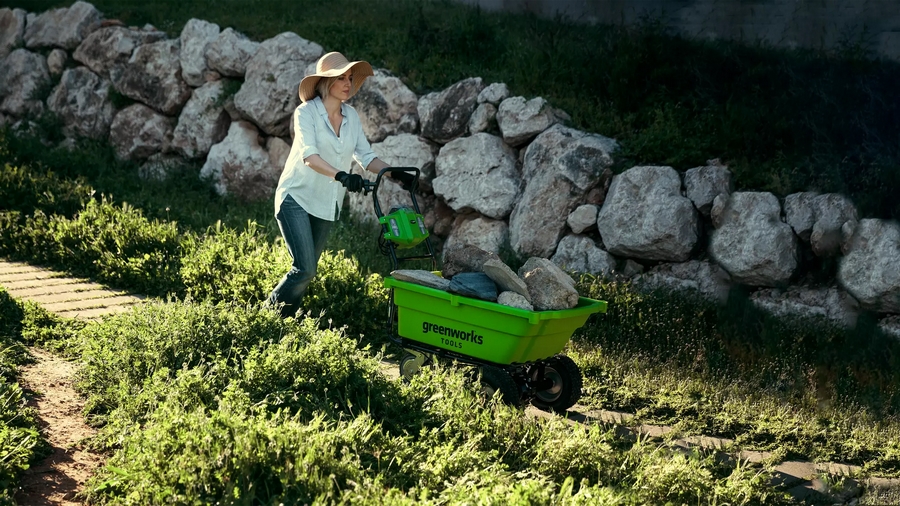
58	478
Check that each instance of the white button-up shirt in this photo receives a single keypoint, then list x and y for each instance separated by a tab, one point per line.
320	195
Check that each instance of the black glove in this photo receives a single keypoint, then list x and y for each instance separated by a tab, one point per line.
406	179
352	182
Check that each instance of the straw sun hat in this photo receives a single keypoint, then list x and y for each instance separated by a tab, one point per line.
332	65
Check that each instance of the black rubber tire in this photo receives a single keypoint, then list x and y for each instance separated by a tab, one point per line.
497	381
566	389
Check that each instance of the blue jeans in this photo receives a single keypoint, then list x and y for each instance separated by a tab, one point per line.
304	236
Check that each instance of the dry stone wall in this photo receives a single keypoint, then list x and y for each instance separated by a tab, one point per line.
499	172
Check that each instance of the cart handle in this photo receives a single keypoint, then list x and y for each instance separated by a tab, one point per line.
369	186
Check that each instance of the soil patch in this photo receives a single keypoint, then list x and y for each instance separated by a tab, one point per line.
57	479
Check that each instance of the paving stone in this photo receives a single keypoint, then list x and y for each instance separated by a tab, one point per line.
25	276
69	296
37	291
793	472
92	314
73	305
31	283
16	267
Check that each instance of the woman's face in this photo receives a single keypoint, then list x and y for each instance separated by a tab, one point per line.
341	88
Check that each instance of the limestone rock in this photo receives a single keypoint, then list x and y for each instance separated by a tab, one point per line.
81	100
421	277
513	299
505	278
466	259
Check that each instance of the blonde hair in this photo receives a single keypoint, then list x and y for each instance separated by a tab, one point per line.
324	84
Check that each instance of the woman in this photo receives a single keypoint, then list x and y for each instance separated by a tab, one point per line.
328	136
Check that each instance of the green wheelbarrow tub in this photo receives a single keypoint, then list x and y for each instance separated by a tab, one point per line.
485	330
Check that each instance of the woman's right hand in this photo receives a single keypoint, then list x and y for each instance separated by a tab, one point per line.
352	182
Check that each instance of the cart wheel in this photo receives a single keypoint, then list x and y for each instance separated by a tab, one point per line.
565	385
497	381
410	364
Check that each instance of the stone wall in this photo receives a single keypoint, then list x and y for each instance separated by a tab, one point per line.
815	24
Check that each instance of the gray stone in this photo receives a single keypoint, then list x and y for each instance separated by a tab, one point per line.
800	213
137	132
477	173
112	46
709	280
550	288
870	271
505	278
520	121
752	243
153	76
485	233
466	259
386	107
703	184
482	118
229	53
493	94
476	285
422	277
645	216
196	36
239	166
269	95
561	166
583	218
22	73
64	28
81	101
56	61
579	253
12	29
445	116
513	299
203	122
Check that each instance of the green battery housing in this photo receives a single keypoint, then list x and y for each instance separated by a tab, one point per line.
404	227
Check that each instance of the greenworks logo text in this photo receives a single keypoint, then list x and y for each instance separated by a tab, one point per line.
462	335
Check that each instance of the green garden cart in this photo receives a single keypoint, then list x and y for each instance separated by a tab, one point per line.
515	352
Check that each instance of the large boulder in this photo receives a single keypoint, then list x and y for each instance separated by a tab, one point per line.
12	30
522	120
239	166
579	253
645	216
137	132
386	107
230	52
705	278
203	121
870	270
561	166
153	76
112	46
81	101
22	74
445	115
65	27
484	233
477	173
270	91
796	301
703	184
832	210
196	36
752	243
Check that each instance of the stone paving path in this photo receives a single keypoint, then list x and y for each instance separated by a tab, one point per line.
78	298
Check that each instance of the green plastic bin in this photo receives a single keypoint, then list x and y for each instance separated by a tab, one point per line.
485	330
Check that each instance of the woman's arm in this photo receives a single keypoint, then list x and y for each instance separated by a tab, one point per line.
376	165
318	164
